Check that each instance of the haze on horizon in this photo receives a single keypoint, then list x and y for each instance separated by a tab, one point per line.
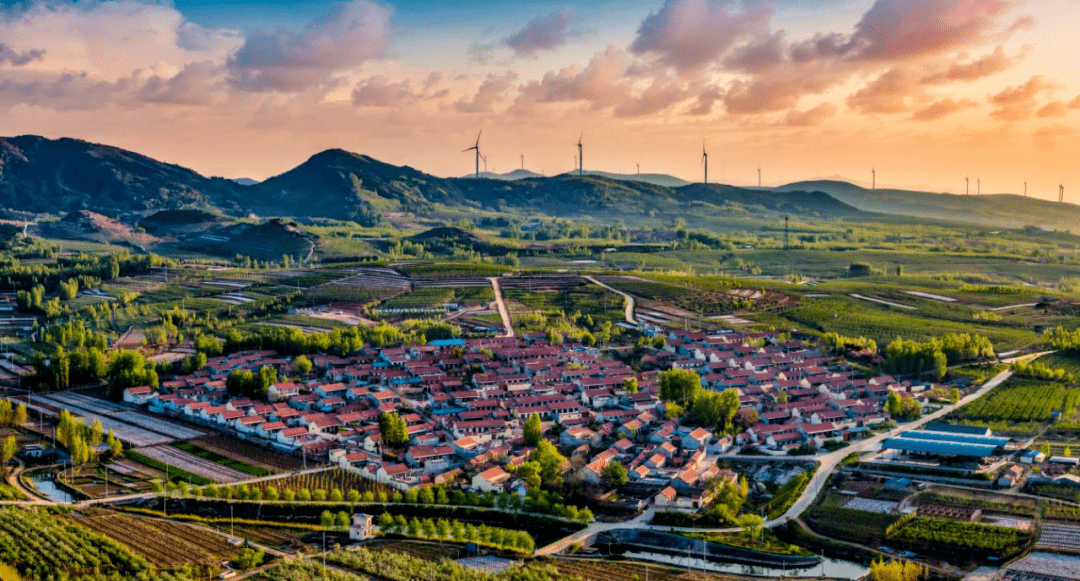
926	91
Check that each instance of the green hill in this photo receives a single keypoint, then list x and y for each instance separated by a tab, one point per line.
995	211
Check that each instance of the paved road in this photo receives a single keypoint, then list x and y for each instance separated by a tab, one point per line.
504	314
629	299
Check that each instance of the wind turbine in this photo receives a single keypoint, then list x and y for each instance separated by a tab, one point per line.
1025	188
523	161
759	176
580	156
484	157
967	185
639	169
978	187
476	148
705	161
1061	193
873	178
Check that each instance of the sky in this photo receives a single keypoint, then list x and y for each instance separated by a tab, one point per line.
927	92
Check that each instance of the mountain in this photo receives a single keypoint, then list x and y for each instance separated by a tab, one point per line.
656	179
65	175
995	210
245	181
517	174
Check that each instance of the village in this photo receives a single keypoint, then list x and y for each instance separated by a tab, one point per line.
464	404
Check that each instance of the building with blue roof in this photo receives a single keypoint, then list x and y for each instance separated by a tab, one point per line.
998	443
939	447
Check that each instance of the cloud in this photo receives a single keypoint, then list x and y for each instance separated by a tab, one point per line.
542	33
759	55
986	66
706	98
942	108
903	29
602	82
65	92
1075	103
1017	103
689	35
1053	109
193	85
811	117
889	93
660	95
380	91
347	36
8	56
491	92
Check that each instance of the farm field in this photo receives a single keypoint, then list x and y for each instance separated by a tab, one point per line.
857	318
951	537
226	461
71	550
419	549
607	570
165	544
1021	406
250	453
193	464
326	480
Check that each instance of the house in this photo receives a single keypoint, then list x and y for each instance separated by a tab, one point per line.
696	439
1033	457
139	395
578	436
665	498
362	527
1010	476
490	480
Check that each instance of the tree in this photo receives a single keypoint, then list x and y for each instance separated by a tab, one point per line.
393	429
20	415
750	524
532	430
680	386
530	473
614	474
716	409
550	461
302	365
130	369
9	449
954	396
896	571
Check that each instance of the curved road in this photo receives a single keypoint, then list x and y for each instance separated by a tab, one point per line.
629	315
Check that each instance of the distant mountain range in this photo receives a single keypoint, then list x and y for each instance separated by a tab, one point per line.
656	179
66	175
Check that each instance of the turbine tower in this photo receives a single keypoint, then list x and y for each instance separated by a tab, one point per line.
1025	188
1061	193
523	161
484	157
873	178
705	161
639	169
580	156
476	148
967	185
759	176
978	187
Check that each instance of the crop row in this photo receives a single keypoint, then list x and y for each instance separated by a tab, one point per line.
1023	401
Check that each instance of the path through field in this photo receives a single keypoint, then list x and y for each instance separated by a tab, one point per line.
629	315
504	314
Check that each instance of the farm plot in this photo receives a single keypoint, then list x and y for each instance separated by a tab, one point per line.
850	525
1060	538
42	546
365	284
165	544
250	453
174	431
419	549
326	480
133	435
1025	402
190	463
592	570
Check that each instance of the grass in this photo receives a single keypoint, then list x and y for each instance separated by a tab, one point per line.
219	459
